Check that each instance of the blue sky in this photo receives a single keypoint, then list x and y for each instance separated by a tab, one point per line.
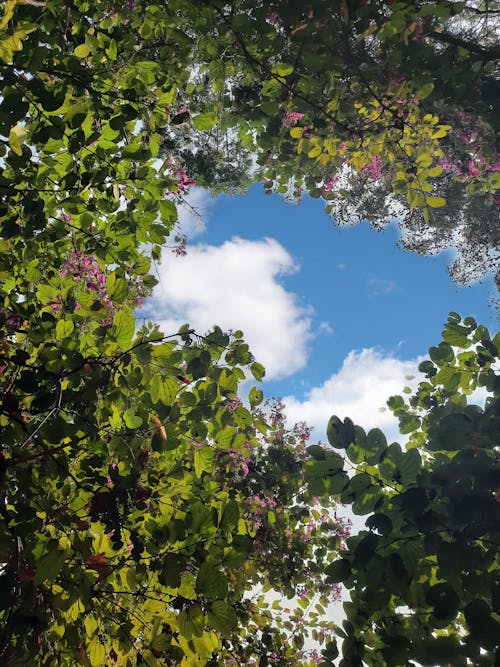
339	316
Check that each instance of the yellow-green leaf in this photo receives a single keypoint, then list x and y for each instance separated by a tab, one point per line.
440	131
425	91
283	69
17	137
435	202
314	152
82	51
64	329
97	653
8	12
204	121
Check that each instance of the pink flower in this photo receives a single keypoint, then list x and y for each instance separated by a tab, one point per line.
180	249
373	168
233	404
244	468
291	118
315	657
472	169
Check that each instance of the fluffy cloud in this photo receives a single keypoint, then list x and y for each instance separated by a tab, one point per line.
359	390
237	286
194	212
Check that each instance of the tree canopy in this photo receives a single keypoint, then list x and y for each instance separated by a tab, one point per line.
146	514
350	101
424	575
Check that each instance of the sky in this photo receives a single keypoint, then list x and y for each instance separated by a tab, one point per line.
339	316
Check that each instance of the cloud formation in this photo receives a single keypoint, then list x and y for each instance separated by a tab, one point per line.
194	212
237	286
359	390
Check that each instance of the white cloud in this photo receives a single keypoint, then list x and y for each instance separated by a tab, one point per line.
194	211
359	390
237	286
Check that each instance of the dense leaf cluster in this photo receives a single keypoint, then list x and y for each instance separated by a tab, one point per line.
424	575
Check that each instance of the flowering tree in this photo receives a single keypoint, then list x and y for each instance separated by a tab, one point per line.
143	509
366	105
145	512
349	101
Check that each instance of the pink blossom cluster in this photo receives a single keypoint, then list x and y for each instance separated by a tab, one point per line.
291	118
445	164
315	657
302	431
183	183
258	503
232	404
180	250
181	109
256	507
85	269
470	168
277	411
241	457
329	183
373	168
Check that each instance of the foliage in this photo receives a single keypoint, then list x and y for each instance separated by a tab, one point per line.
143	508
144	511
424	575
104	102
364	104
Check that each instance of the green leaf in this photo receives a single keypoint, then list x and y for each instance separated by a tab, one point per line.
380	522
283	69
164	389
314	152
410	467
424	91
204	460
355	453
64	329
131	419
49	566
211	582
222	617
258	371
230	516
376	444
191	621
255	397
123	329
97	652
204	121
340	434
338	571
225	436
